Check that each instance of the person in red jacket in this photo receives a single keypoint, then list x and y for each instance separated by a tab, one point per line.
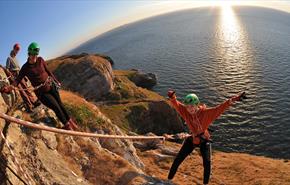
198	118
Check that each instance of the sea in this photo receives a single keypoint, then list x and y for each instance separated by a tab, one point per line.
216	53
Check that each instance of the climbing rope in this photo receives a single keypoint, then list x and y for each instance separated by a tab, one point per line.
31	88
15	161
74	133
5	79
48	80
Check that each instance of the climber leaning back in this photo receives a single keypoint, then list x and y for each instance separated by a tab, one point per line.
41	79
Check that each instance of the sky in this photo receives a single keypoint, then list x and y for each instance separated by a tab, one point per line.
60	25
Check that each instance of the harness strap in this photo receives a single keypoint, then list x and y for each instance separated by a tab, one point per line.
202	138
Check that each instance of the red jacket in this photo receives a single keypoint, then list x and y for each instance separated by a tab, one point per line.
198	120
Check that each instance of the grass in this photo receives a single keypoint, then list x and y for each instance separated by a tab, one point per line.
125	115
137	112
125	89
85	113
117	114
84	116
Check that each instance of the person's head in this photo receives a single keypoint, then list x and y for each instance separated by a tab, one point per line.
191	100
16	48
33	51
192	103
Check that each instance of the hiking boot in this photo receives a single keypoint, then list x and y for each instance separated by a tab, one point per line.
36	103
73	124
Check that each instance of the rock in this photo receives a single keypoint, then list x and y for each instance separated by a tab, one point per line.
157	117
42	114
122	147
168	150
145	80
49	139
109	59
9	99
60	159
88	75
144	145
161	157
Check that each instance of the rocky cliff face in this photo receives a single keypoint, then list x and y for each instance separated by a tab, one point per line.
50	158
130	107
6	99
89	75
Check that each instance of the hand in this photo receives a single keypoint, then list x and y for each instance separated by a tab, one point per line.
168	136
183	135
239	97
6	89
57	84
171	94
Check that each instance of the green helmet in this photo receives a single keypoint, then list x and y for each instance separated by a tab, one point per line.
191	99
33	49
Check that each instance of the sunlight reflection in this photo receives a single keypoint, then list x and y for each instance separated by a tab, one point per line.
229	25
233	54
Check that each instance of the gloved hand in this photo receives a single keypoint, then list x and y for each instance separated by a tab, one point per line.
168	136
6	89
171	94
57	84
240	97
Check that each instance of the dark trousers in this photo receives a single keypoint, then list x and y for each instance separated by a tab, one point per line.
186	149
52	100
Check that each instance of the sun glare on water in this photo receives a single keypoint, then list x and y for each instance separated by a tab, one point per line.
232	45
230	25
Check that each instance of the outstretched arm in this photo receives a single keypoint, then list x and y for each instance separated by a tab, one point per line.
212	114
179	107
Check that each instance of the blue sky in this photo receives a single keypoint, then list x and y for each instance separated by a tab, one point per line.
55	25
60	25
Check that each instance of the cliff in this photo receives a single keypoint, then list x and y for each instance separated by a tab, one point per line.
130	107
114	105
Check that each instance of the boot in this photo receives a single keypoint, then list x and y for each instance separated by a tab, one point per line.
36	103
73	124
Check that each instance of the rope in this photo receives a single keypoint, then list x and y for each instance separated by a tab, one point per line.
73	133
28	88
14	160
5	79
48	80
31	88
